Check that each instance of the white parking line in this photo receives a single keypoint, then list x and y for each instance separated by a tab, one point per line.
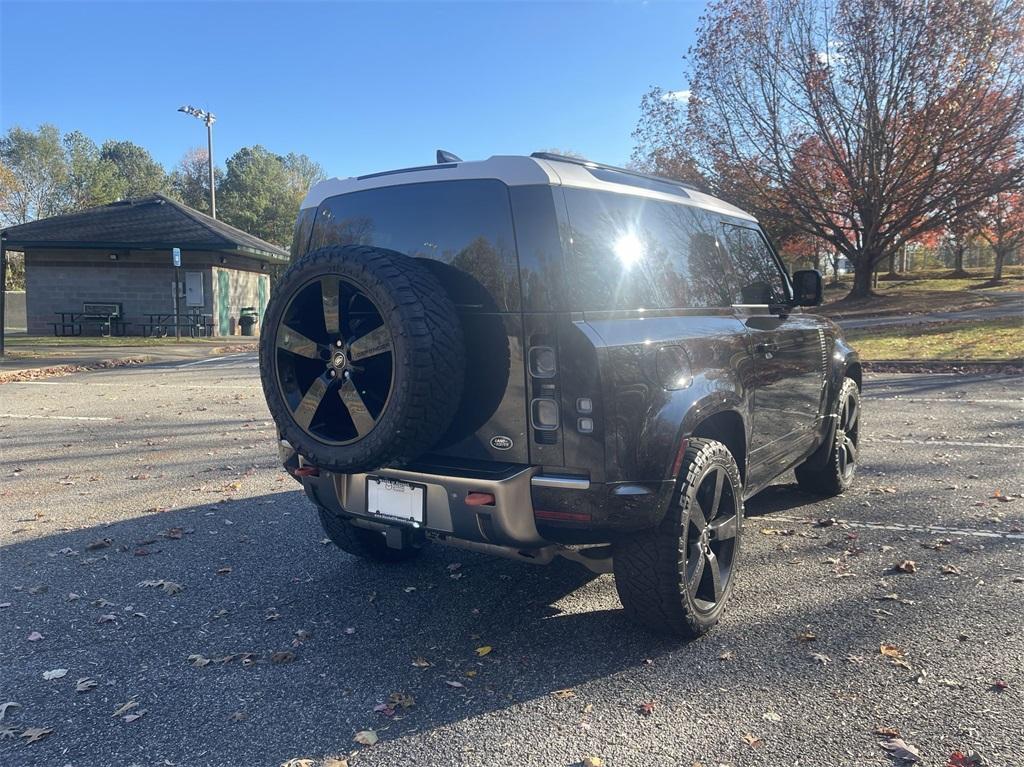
961	400
901	528
944	443
58	417
213	359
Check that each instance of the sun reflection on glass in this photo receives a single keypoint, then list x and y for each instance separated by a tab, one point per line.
628	249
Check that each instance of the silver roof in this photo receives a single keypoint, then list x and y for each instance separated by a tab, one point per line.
514	170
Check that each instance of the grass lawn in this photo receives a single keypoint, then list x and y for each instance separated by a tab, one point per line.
999	339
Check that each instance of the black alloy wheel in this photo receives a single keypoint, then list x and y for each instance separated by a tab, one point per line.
847	439
711	536
334	359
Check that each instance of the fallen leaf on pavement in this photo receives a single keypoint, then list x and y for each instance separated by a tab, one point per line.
888	732
84	684
771	716
454	684
223	570
727	655
592	761
402	699
970	759
366	737
753	741
169	587
35	636
32	734
1000	685
331	761
646	709
57	673
125	708
100	544
238	716
5	706
806	636
282	656
564	694
905	566
199	661
485	650
820	657
7	733
951	570
421	663
137	715
107	618
890	650
899	749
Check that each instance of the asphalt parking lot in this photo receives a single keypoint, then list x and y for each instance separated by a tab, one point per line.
167	476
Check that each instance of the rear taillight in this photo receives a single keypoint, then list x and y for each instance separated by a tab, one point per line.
542	362
544	414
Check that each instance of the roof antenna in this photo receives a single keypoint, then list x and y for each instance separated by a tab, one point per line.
443	157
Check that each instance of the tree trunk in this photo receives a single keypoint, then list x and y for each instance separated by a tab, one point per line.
997	272
892	265
862	279
958	261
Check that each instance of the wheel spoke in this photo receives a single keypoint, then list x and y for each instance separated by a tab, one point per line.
851	415
296	343
719	481
851	449
373	343
716	575
698	518
353	402
329	287
310	403
697	575
724	528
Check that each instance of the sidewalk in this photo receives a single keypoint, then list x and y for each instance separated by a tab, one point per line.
28	354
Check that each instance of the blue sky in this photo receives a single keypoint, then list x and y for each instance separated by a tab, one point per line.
358	87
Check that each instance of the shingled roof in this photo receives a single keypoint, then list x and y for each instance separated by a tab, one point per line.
142	223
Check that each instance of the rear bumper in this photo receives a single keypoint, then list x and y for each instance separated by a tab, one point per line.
531	509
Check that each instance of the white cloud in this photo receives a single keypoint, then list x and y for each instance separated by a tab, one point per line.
680	96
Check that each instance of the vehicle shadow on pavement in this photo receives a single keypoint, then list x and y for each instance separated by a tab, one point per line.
461	635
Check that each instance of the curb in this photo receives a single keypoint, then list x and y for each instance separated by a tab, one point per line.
961	367
35	374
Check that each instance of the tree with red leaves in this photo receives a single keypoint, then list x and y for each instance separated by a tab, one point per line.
869	122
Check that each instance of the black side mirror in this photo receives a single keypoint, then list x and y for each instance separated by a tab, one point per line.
807	287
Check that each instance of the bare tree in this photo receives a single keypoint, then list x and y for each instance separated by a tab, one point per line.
872	121
1002	227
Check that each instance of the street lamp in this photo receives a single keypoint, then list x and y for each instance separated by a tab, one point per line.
209	118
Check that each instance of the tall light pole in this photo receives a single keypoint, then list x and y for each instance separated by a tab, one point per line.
209	118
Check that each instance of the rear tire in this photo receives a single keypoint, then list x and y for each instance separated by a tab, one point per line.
678	577
362	543
835	474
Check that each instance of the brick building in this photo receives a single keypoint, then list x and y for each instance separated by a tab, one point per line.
121	254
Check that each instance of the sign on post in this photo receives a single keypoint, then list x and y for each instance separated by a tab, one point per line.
176	256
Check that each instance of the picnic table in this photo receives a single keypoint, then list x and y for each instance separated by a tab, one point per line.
161	324
107	317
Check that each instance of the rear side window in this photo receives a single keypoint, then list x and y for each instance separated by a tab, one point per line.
461	229
760	279
634	252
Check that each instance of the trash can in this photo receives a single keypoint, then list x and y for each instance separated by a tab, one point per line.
247	319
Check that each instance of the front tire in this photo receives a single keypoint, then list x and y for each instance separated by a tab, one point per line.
678	577
362	543
835	474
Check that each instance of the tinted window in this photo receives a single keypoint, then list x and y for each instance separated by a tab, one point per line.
761	280
633	252
462	229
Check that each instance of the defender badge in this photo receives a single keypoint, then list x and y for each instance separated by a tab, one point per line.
501	443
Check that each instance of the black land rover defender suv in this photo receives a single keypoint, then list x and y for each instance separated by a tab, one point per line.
541	356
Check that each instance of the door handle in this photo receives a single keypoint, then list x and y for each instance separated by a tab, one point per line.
767	350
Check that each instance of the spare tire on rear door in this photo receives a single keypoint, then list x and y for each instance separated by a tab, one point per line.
361	358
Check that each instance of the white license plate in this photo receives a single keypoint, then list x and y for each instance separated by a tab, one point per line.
394	499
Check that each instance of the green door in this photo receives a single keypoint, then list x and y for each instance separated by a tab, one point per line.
262	288
223	302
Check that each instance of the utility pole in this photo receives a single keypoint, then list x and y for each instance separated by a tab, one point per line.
3	292
209	118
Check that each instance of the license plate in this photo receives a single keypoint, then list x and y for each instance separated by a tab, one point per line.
395	499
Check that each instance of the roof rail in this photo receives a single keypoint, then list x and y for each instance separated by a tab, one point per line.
602	166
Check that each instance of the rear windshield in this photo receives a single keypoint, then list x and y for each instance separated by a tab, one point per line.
461	229
631	252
